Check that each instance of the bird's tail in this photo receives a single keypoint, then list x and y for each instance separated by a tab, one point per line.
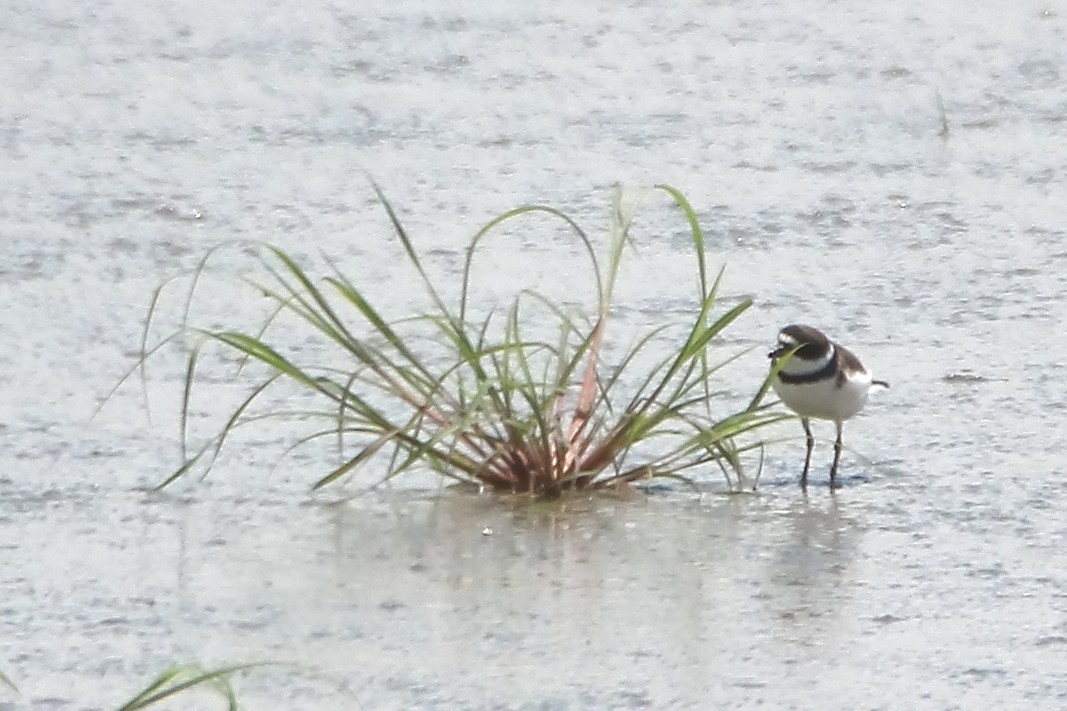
880	383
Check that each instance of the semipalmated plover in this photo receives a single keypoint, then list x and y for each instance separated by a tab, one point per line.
822	380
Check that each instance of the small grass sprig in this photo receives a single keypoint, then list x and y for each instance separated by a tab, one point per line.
182	678
5	681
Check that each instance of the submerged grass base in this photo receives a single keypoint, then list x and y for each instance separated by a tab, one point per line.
493	405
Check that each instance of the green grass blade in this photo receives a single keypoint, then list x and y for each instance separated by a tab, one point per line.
365	309
366	453
695	233
258	350
187	392
409	247
510	215
181	678
769	380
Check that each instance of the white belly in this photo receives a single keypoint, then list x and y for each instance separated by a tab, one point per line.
823	399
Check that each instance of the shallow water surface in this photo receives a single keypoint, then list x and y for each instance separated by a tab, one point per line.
891	173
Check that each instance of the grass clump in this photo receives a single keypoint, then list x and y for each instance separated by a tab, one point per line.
486	400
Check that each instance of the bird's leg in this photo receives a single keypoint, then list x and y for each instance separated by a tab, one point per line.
807	458
837	455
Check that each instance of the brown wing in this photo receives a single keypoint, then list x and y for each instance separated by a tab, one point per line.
847	364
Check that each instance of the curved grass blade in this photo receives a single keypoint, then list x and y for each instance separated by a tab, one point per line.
695	232
409	247
187	390
129	374
769	380
509	215
181	678
366	453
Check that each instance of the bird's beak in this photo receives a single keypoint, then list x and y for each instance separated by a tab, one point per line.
778	352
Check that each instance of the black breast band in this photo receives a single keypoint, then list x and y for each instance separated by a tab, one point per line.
825	373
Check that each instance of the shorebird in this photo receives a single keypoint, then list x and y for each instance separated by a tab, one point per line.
820	379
